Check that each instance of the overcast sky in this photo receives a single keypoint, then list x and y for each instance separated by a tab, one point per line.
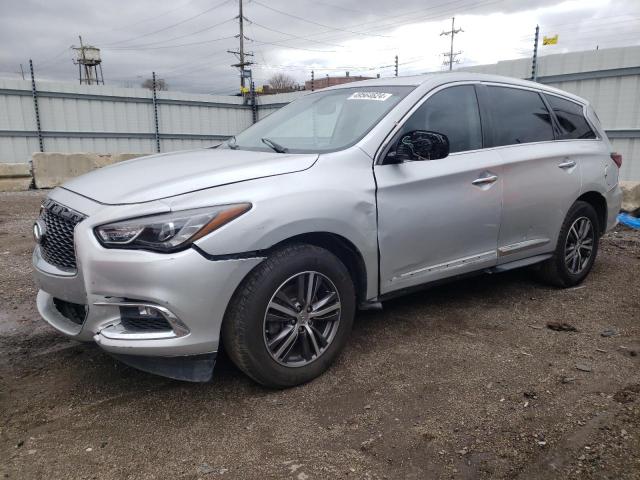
185	41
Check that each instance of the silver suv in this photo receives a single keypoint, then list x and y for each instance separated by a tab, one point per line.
269	243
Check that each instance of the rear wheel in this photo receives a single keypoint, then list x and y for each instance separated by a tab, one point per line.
291	316
576	249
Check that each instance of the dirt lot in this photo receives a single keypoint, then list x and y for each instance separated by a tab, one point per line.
461	381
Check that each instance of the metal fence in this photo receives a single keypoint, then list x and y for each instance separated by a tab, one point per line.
64	117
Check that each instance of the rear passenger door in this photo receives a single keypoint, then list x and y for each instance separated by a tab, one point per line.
541	176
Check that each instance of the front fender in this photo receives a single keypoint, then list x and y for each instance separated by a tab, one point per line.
336	195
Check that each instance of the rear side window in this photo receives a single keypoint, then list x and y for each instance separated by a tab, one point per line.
570	116
453	112
519	116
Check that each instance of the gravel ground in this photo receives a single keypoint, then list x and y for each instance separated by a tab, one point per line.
460	381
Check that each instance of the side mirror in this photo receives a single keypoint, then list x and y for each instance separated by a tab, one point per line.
419	145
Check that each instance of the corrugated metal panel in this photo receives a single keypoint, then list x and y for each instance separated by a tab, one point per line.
113	110
69	113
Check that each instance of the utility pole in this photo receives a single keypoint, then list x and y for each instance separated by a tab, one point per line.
22	71
240	52
534	61
312	80
452	56
396	65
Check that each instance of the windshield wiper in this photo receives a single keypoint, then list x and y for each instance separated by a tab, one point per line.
231	143
276	146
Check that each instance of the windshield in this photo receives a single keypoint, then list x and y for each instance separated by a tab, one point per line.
321	122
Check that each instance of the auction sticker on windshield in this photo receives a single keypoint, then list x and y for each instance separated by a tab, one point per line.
377	96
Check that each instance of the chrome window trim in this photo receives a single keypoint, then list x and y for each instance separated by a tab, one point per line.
584	106
547	92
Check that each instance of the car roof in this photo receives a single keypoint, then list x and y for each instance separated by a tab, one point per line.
431	80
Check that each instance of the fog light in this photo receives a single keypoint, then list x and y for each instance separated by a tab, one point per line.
148	312
143	318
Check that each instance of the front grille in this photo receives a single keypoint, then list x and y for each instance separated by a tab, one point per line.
73	311
57	242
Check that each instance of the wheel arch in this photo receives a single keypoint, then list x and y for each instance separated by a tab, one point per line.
599	203
342	248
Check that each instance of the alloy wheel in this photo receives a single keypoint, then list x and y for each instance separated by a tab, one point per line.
579	245
302	319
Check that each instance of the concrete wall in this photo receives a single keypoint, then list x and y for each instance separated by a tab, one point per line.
14	177
53	169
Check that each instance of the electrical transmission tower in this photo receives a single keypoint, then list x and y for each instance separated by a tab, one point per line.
241	54
451	54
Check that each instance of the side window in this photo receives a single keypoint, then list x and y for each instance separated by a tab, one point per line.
519	116
573	125
453	112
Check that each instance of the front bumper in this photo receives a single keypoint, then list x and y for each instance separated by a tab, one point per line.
186	285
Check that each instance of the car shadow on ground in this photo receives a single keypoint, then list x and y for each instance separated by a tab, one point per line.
441	308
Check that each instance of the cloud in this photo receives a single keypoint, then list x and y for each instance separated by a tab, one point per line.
186	41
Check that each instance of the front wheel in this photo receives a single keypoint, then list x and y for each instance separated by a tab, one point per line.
576	249
291	316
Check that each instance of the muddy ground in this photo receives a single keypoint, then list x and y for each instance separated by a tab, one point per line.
461	381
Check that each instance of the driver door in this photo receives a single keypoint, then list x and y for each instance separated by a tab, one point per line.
440	218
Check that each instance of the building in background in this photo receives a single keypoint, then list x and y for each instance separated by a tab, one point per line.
324	82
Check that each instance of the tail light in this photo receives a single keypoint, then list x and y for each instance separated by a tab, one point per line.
617	158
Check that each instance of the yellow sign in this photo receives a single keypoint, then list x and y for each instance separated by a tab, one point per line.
550	40
244	89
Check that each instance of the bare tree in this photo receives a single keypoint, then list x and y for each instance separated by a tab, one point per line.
161	84
281	82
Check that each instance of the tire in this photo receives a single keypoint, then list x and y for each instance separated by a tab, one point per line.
248	326
563	273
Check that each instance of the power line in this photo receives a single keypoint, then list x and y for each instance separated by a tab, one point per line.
133	49
413	20
340	7
339	68
146	20
315	23
172	25
180	36
293	37
278	44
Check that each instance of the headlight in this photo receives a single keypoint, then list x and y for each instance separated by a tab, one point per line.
168	232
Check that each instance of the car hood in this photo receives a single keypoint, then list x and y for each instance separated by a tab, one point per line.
160	176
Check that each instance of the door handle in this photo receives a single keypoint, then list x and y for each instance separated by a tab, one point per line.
485	180
567	164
